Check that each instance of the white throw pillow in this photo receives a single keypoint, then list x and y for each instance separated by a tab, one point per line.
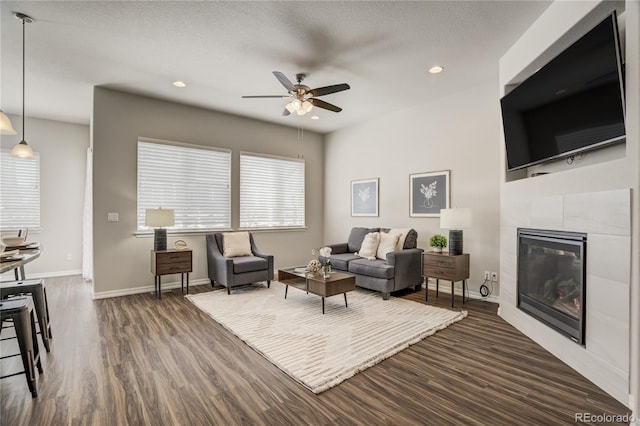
236	244
370	245
388	243
403	236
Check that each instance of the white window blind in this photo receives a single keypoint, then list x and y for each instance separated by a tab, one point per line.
19	191
271	192
194	181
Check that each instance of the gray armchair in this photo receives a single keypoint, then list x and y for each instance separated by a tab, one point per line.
237	271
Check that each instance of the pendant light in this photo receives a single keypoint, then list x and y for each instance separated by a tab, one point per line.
5	125
22	149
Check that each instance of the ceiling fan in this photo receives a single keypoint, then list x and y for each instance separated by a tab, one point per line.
303	98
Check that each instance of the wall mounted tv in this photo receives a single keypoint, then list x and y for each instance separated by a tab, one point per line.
572	104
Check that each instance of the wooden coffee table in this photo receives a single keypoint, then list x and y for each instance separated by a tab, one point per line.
336	283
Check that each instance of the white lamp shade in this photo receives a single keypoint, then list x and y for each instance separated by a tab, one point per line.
455	218
5	125
157	218
22	150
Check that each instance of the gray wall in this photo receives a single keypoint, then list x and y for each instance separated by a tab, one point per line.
121	260
459	133
63	153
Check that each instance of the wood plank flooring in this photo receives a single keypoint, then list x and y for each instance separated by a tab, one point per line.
137	360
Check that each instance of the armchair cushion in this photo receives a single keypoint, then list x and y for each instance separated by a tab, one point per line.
236	244
243	264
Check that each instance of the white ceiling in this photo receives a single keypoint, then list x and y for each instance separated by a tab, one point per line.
224	50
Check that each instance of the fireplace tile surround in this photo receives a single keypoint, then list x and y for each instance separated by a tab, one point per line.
606	219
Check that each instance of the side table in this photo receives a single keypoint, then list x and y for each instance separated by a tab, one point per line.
166	262
444	266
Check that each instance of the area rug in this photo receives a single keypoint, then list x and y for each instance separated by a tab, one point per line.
321	351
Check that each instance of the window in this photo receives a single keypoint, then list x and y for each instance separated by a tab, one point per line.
192	180
271	192
19	191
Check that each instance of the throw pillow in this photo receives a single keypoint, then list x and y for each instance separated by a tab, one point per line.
388	243
370	245
403	236
236	244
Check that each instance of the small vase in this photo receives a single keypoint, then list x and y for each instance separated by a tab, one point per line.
437	249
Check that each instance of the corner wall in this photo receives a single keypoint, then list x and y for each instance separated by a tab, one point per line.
456	133
63	159
597	197
121	260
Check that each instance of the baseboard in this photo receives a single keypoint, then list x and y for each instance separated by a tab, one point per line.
146	289
446	288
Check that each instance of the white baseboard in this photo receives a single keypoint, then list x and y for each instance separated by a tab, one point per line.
50	274
146	289
446	288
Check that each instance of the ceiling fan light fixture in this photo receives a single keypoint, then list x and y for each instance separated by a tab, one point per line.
301	111
296	104
289	107
307	106
5	125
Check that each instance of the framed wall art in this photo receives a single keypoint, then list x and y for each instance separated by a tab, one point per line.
428	193
364	197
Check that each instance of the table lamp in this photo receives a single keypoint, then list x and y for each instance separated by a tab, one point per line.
455	220
157	218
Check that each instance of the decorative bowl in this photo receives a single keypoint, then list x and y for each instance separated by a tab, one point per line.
13	241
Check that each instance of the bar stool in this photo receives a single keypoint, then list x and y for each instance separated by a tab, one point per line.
38	292
20	311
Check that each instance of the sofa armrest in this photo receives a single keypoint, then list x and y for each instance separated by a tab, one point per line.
407	267
339	248
220	267
267	257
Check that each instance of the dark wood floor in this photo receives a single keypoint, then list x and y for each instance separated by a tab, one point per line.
138	360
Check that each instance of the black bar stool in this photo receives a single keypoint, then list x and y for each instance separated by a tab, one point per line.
37	290
20	311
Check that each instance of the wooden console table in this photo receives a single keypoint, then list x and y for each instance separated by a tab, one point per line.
444	266
166	262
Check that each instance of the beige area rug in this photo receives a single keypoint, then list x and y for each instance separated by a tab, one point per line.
321	351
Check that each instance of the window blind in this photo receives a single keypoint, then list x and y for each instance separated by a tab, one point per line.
271	192
194	181
19	191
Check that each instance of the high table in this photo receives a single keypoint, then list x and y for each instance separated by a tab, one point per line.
17	266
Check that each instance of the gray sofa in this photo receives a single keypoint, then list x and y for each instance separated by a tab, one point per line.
401	269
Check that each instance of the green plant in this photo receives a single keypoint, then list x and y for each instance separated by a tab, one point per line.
438	241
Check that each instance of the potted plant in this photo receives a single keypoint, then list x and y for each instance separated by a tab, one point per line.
438	242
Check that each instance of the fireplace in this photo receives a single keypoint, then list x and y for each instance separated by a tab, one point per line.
552	279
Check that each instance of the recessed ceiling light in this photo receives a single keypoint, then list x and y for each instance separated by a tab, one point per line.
179	83
436	69
315	117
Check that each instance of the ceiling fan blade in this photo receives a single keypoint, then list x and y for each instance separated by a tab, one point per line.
266	96
285	112
325	105
320	91
284	81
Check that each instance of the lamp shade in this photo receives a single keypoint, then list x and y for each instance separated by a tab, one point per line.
455	218
157	218
5	125
22	150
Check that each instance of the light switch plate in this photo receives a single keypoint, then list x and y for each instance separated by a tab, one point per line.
112	217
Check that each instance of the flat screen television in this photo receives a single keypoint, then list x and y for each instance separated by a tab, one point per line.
572	104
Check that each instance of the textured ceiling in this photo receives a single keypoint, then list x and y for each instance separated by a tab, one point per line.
224	50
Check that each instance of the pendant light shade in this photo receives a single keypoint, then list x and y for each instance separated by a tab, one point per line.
22	150
5	125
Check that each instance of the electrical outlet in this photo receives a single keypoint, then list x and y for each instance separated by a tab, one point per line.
494	276
487	275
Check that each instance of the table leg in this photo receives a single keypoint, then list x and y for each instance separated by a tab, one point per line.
345	300
323	306
464	284
159	287
437	287
187	283
23	275
452	294
182	282
426	289
286	288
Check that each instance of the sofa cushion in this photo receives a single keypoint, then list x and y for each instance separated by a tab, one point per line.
388	243
370	245
341	261
372	268
411	240
243	264
403	236
236	244
354	243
